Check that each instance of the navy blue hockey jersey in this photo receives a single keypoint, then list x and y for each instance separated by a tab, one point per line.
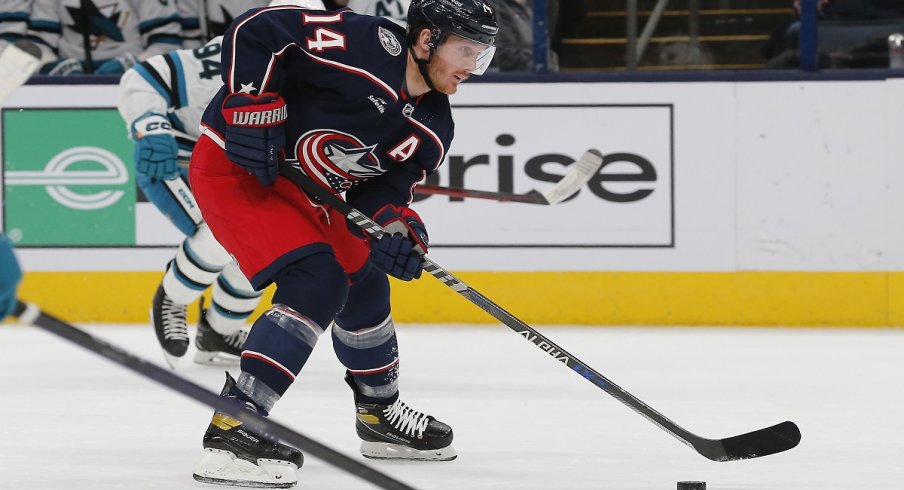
351	125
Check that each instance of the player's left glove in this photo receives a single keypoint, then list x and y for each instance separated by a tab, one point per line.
156	150
399	251
10	275
254	132
117	65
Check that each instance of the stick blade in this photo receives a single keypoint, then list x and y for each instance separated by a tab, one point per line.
17	63
586	167
763	442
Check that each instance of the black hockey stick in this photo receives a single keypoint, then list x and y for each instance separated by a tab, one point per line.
586	167
532	197
87	28
763	442
31	314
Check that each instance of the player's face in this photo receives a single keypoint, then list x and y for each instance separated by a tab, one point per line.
455	60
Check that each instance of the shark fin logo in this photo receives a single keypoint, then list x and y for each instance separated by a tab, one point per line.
99	25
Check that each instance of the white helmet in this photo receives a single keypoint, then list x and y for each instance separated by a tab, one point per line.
308	4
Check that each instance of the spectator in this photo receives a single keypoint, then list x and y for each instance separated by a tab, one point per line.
201	26
856	9
565	19
117	33
515	43
852	34
395	10
13	21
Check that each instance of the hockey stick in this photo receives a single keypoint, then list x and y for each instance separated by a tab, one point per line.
585	168
186	199
762	442
87	27
31	314
17	63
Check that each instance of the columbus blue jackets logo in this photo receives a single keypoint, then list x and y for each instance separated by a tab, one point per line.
338	159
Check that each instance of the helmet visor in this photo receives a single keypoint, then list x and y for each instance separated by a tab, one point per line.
465	54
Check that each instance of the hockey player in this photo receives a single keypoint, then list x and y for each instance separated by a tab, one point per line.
397	10
13	21
10	276
117	33
361	105
19	56
161	101
206	19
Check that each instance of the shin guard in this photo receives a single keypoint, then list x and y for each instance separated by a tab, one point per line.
365	341
280	343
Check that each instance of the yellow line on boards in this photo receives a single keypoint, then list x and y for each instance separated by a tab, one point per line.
872	299
575	298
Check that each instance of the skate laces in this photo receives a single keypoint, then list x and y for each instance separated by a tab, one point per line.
406	419
173	317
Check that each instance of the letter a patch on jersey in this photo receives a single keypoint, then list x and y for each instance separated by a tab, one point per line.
405	149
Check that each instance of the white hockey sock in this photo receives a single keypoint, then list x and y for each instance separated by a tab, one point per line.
198	262
234	300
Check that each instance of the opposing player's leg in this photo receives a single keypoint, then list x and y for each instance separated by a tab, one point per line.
365	342
221	332
168	308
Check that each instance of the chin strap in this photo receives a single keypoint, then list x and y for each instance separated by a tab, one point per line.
422	67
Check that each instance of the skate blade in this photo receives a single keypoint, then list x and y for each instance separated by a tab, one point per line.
216	358
171	360
223	468
385	450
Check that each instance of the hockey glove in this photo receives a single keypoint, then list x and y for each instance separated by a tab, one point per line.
254	132
63	67
156	151
399	251
116	66
10	275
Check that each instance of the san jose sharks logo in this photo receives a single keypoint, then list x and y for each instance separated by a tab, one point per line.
99	21
340	159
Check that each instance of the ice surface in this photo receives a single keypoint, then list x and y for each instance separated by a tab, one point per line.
72	420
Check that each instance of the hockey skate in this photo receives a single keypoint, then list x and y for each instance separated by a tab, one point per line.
212	348
396	431
236	455
168	319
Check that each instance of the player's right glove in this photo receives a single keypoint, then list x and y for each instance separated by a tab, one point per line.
399	251
156	150
254	132
10	275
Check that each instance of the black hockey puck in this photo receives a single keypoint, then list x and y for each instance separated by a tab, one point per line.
692	485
